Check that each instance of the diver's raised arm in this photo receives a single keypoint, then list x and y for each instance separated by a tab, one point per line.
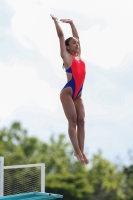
74	30
63	52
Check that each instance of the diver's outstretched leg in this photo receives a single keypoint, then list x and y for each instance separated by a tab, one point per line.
71	115
80	125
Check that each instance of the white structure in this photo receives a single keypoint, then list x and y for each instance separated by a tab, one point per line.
1	176
3	168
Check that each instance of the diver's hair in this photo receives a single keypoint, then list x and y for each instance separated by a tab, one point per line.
68	40
67	44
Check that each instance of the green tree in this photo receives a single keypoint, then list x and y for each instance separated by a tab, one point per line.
100	180
72	185
9	144
104	178
127	186
128	182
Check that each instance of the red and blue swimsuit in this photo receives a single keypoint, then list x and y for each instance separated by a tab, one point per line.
78	72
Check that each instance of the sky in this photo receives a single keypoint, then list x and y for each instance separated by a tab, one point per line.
31	73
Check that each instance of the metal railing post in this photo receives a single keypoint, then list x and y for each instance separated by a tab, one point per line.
43	178
1	176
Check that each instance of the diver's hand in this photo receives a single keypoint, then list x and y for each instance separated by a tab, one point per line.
69	21
53	17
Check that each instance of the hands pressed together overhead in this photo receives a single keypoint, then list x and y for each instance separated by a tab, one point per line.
62	20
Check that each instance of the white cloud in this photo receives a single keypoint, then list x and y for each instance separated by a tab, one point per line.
107	47
32	24
34	28
20	85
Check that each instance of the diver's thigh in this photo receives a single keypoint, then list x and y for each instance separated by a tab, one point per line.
79	106
68	105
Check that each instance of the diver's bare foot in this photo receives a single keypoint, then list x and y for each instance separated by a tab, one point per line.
80	158
85	158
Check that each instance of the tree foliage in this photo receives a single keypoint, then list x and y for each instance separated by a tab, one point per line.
64	175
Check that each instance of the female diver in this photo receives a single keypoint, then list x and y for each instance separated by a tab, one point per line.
70	95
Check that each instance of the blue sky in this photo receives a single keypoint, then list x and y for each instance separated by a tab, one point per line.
31	74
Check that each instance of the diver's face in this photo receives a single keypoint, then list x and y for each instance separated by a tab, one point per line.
73	45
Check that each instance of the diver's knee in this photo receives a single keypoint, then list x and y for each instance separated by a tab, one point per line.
81	121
